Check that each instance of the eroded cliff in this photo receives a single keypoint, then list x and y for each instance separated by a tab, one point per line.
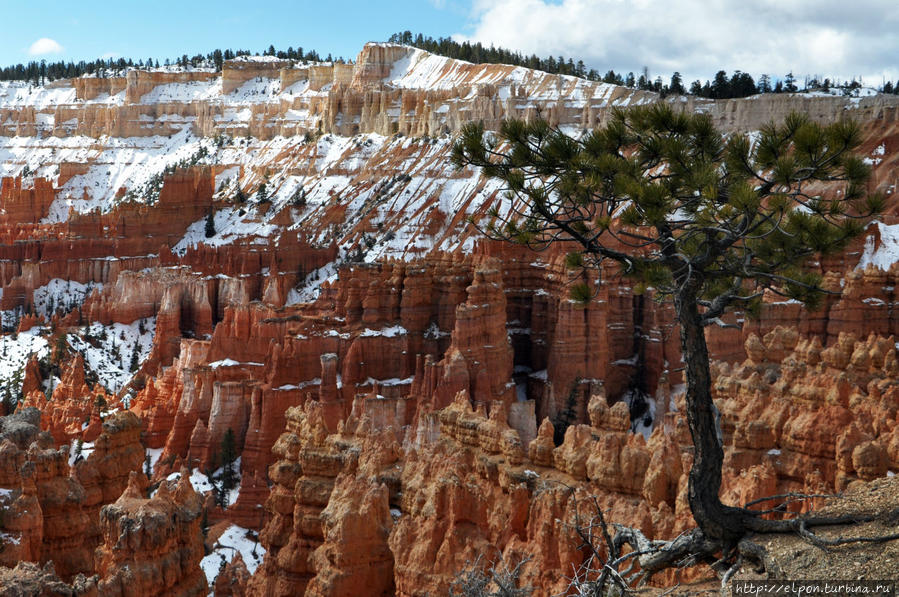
279	258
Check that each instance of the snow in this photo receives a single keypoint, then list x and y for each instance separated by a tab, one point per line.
107	350
259	58
223	363
521	391
15	351
539	374
113	163
62	296
226	176
230	225
884	255
153	454
257	90
388	332
233	363
433	332
309	289
403	206
393	381
87	448
17	94
188	91
418	69
234	540
309	382
200	481
630	361
774	452
646	422
419	209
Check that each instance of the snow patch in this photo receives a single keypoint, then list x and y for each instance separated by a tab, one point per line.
884	255
61	296
87	448
153	454
230	224
234	540
388	332
114	352
15	352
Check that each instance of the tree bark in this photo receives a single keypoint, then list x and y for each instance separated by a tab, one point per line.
717	521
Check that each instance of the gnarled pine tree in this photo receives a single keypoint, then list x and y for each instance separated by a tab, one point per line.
706	220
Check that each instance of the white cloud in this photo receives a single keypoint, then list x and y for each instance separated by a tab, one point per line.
830	38
45	45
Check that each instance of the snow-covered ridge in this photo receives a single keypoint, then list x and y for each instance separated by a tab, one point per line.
294	97
419	69
264	97
401	196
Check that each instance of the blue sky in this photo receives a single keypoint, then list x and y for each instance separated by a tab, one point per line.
824	38
87	29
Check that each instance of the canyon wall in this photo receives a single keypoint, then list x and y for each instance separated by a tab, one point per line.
279	261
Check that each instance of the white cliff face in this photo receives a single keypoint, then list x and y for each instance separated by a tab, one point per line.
389	89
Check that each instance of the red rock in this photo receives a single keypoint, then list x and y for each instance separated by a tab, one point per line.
232	581
28	578
354	558
152	546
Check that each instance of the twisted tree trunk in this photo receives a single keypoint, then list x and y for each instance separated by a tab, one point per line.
717	521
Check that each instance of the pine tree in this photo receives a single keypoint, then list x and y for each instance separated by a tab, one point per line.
720	86
262	193
60	349
298	199
707	222
229	455
218	492
204	522
790	83
677	84
9	407
210	224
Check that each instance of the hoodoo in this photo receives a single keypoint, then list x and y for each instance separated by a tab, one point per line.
255	341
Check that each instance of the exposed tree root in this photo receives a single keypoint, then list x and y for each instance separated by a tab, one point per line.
603	566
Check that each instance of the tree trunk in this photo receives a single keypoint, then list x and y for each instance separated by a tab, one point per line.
717	521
